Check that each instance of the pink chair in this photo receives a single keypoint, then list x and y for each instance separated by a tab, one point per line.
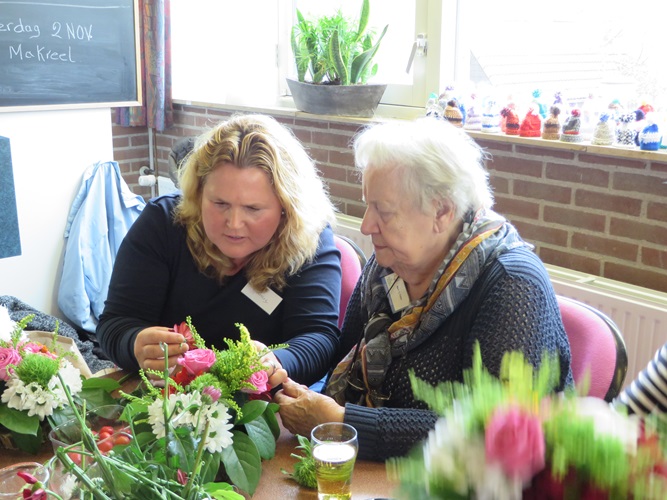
597	347
352	260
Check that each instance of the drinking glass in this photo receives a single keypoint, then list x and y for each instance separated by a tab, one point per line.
335	448
11	485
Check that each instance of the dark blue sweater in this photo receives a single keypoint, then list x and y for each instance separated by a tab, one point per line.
155	282
511	307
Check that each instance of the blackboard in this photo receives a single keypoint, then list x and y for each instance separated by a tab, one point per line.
68	53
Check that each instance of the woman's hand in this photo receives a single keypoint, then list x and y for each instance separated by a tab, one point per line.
148	351
277	374
302	409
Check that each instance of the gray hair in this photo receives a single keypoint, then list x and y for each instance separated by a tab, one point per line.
437	160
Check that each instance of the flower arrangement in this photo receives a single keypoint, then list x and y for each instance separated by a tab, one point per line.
192	432
513	438
31	394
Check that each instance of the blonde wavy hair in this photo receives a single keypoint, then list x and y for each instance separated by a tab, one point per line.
257	141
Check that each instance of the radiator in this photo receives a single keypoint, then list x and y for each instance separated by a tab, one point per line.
640	313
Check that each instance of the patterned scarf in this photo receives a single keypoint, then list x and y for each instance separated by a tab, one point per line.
358	378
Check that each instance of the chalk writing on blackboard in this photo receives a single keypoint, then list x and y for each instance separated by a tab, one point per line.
68	52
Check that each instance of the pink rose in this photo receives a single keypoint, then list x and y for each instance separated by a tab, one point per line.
260	380
514	439
197	361
36	348
8	356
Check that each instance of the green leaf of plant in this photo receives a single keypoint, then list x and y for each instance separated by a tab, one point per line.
270	416
251	410
96	396
360	62
222	491
363	19
18	421
337	58
260	432
106	384
242	462
209	470
28	442
180	446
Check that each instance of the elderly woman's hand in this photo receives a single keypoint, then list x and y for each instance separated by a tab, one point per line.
302	409
148	348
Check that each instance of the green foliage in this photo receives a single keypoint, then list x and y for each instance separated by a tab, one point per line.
335	49
579	451
304	468
37	368
255	425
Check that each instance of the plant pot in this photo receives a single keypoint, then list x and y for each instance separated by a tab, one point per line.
336	100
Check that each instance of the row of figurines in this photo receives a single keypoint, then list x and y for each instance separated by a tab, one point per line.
614	127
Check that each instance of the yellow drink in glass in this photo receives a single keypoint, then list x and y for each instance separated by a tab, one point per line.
334	450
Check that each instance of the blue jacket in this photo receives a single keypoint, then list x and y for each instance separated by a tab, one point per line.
101	214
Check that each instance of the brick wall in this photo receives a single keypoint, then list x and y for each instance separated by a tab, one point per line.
592	209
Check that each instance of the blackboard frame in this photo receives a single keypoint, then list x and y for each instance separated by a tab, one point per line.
130	71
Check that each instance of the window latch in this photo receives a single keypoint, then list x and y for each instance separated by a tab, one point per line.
419	48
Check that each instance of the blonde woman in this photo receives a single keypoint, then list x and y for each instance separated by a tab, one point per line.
248	240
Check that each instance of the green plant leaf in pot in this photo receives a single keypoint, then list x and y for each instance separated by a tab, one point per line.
339	51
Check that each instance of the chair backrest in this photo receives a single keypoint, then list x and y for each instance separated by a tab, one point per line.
597	348
352	260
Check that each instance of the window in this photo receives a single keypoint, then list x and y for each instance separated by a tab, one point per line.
239	52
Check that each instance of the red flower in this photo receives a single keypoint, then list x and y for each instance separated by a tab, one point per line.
27	477
184	330
182	477
262	396
38	494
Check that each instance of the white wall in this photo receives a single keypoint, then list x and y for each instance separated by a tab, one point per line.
50	151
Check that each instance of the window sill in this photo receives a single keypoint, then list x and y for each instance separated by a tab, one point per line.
284	107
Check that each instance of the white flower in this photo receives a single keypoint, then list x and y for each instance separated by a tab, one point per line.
609	422
72	378
187	414
192	413
31	397
452	453
219	437
7	326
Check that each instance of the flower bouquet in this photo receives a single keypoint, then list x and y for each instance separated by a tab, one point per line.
190	433
513	438
31	394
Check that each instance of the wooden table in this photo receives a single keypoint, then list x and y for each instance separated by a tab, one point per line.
369	480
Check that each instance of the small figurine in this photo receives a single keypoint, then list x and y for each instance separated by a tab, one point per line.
650	138
511	120
603	135
551	130
531	126
625	131
473	119
490	117
570	131
453	113
433	108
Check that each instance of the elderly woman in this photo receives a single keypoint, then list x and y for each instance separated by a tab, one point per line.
248	241
447	272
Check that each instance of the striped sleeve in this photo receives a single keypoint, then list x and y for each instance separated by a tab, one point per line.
648	392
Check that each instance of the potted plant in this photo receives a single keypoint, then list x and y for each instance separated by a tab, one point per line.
336	54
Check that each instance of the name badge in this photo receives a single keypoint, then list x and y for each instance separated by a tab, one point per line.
267	300
397	293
